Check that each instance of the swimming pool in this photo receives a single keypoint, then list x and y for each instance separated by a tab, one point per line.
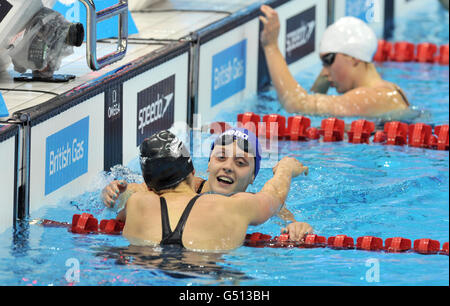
357	190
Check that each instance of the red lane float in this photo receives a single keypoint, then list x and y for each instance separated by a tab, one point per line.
397	244
312	240
443	57
383	51
404	51
427	246
299	128
444	250
87	224
360	131
84	223
343	242
313	133
420	135
332	129
369	243
250	121
112	227
426	53
442	132
275	126
396	133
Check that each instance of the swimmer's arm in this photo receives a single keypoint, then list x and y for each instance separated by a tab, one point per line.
321	85
294	98
264	204
117	193
122	215
286	215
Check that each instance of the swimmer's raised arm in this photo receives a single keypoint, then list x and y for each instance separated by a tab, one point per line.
365	92
119	191
321	84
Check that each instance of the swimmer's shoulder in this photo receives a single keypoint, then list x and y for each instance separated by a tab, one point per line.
226	200
142	198
394	90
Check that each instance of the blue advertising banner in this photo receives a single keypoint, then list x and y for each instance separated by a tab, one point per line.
66	155
228	72
3	109
366	10
76	12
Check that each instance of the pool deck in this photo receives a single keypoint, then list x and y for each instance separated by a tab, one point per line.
159	25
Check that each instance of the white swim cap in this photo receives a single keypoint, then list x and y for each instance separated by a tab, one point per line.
351	36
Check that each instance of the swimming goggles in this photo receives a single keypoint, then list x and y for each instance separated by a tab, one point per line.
328	59
242	143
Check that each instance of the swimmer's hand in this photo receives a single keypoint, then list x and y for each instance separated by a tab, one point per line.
271	22
112	192
293	165
297	231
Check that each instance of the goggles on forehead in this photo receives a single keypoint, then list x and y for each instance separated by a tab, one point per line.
242	143
328	59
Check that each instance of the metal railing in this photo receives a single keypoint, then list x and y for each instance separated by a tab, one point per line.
93	18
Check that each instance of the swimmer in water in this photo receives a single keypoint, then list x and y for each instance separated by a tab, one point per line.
346	50
228	174
172	213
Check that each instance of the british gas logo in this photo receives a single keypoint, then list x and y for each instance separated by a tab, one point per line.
228	72
66	156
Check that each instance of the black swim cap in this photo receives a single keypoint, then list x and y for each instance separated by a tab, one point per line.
165	161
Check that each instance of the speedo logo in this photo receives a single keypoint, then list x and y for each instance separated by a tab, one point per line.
154	111
300	36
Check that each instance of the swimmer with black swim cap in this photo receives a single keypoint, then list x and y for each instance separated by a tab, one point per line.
172	213
234	163
165	161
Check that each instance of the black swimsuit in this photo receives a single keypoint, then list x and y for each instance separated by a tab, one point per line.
175	237
199	190
402	94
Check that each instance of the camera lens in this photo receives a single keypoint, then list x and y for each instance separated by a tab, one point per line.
75	36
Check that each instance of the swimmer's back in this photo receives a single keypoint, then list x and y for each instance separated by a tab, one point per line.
372	101
215	222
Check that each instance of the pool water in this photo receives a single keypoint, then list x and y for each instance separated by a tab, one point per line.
357	190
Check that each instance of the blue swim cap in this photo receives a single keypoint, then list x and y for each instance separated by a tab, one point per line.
245	139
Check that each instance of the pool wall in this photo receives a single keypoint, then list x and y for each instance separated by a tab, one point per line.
55	150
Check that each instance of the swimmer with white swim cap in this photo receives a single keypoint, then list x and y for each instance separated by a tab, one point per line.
346	50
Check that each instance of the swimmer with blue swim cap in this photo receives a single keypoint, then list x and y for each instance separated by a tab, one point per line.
234	161
234	164
171	213
346	51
